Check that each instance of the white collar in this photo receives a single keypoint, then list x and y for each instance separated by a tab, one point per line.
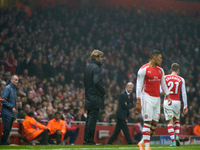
127	92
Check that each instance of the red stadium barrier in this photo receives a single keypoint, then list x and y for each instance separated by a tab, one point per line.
103	138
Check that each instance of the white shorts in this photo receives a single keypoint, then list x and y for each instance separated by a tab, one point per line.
172	110
150	107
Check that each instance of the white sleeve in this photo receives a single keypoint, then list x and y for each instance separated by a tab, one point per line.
161	91
184	95
140	82
163	84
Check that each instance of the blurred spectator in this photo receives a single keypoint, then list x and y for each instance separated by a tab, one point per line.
24	112
11	63
71	131
162	119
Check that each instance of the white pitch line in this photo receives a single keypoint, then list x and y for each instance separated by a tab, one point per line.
78	148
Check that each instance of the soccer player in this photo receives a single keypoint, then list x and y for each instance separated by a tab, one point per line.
172	112
149	79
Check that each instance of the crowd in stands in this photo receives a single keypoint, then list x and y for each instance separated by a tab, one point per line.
50	49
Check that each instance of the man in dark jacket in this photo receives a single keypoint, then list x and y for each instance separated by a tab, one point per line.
125	103
8	111
94	92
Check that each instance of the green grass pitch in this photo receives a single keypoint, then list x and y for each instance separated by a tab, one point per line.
98	147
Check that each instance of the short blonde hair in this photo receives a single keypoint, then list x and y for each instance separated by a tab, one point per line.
96	53
175	67
130	84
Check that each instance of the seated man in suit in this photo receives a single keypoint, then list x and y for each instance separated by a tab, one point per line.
125	103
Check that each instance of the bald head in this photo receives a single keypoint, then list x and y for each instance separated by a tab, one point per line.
14	79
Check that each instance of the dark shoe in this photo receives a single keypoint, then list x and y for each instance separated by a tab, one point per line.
89	143
177	141
84	142
130	144
109	144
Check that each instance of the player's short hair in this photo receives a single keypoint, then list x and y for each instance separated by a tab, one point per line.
154	53
96	53
175	67
129	84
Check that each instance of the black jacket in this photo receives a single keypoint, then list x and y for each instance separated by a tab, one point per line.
123	110
94	89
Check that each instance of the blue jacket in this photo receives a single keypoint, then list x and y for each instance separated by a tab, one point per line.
9	95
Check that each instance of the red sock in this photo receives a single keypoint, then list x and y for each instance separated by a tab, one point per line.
146	132
177	127
170	130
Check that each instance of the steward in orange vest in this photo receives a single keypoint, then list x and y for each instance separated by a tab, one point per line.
33	129
57	129
196	129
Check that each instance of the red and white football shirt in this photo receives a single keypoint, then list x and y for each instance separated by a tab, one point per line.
175	83
149	80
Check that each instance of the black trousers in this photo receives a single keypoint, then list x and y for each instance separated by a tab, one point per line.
121	124
7	125
90	125
56	136
45	136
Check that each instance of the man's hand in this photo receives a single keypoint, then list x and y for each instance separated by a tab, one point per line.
14	110
58	132
125	103
169	99
138	105
185	110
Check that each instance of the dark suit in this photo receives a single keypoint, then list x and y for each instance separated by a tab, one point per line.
94	92
122	114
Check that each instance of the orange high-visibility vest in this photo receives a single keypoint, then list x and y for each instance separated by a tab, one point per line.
196	130
54	125
32	128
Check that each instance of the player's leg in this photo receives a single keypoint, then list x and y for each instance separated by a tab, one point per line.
147	113
177	122
154	125
170	130
156	116
169	118
152	130
177	131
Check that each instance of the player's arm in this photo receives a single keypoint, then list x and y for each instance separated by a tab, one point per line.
139	85
184	96
165	88
4	98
